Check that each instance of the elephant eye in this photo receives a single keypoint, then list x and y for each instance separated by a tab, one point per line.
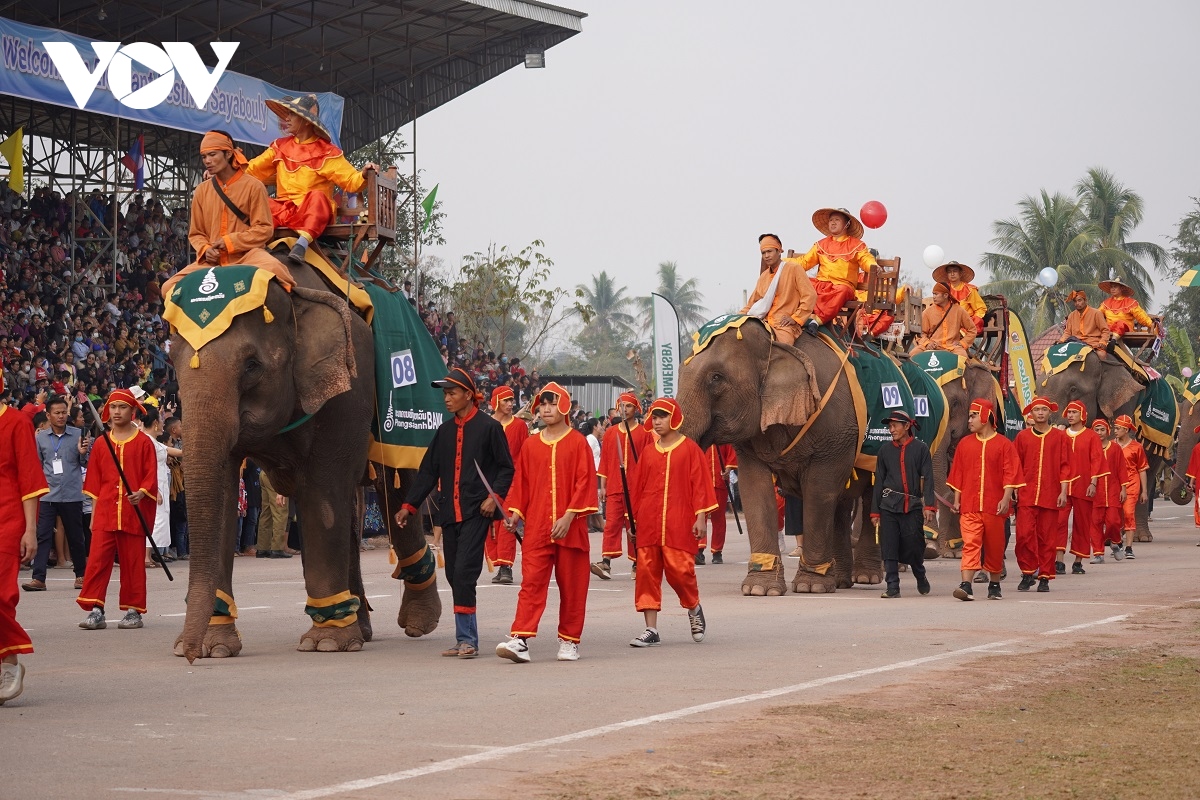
252	368
716	377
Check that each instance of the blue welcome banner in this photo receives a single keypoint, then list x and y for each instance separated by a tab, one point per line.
237	104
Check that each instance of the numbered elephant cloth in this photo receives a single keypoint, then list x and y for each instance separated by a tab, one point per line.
929	403
1156	417
202	305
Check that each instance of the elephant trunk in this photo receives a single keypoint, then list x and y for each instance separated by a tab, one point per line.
210	477
697	414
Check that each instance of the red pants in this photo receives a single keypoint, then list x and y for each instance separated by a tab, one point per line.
13	638
1106	526
1081	526
615	521
132	550
1119	327
830	299
500	546
571	570
877	322
717	518
1129	507
1036	534
310	217
680	569
986	532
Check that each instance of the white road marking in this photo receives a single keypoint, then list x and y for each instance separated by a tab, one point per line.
377	596
1081	626
1085	603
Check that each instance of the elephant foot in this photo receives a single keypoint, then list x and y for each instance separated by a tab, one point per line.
813	583
1143	536
220	641
867	574
765	583
332	640
420	610
931	551
950	552
364	620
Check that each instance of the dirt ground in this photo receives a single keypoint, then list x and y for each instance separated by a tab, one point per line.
1090	720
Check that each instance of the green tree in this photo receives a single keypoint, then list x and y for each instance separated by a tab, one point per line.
611	330
1112	212
1182	313
685	296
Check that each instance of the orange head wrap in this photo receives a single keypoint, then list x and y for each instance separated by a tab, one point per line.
631	398
985	410
1123	421
1077	406
1077	293
562	398
668	405
942	288
220	140
1039	401
768	242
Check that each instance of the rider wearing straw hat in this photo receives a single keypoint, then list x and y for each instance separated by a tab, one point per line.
958	277
839	258
1120	308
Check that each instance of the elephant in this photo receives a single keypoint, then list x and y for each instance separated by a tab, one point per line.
750	391
294	389
1189	418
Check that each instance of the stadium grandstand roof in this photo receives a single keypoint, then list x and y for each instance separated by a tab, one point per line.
392	60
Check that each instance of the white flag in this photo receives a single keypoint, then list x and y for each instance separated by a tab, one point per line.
666	345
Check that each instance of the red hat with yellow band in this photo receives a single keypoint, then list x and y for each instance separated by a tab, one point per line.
1123	421
502	393
669	407
1039	402
1076	405
985	410
562	398
1101	424
631	398
121	396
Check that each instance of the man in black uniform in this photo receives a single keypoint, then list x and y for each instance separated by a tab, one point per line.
464	508
903	490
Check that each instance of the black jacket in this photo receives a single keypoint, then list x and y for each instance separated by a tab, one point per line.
907	471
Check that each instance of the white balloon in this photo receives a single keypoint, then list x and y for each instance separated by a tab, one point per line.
934	256
1048	277
1187	372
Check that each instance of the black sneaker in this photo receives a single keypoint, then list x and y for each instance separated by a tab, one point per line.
716	559
1077	568
1060	568
504	575
648	638
963	592
1043	584
1129	552
994	590
699	558
1026	583
697	624
810	327
891	593
923	585
496	577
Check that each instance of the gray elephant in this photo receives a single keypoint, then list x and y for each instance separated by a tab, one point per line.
1189	419
290	384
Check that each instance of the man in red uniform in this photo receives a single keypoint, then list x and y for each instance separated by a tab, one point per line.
623	445
1045	461
21	483
671	496
1193	477
115	508
985	472
1135	487
501	546
554	491
1087	467
722	460
1110	495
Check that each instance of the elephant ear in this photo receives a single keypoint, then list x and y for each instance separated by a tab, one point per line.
789	391
324	358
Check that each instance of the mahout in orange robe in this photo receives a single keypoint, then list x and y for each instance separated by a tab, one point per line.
553	477
619	448
501	546
1088	326
21	478
955	333
794	297
982	469
1046	466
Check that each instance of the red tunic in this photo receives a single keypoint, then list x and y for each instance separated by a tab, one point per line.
1046	465
982	470
1135	457
1193	470
552	478
21	477
111	510
1108	488
515	433
1087	461
719	455
673	485
615	451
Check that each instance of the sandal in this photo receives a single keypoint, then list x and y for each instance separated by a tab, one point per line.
467	650
152	565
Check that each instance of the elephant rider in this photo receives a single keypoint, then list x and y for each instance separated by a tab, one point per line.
465	445
1121	310
304	166
231	214
1045	453
1110	495
945	325
783	297
501	545
620	452
839	258
1087	467
984	475
1135	487
903	499
958	277
1086	324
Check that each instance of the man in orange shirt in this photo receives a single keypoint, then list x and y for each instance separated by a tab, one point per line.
985	472
671	497
722	460
620	451
1086	324
783	297
839	258
958	277
1121	310
501	546
1110	495
1135	487
1087	467
1044	452
945	325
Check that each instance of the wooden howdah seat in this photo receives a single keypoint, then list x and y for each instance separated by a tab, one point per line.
372	219
880	289
1141	340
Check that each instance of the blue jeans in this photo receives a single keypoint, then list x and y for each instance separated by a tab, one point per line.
248	529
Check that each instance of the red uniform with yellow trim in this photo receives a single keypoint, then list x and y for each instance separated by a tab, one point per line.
982	469
838	260
1046	465
304	174
719	457
553	477
1193	472
1106	505
21	479
115	526
501	546
1087	462
619	448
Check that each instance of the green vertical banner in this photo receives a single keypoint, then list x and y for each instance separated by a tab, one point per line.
407	409
427	207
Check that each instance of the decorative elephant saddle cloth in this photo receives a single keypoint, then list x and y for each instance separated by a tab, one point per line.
1156	417
941	365
1062	356
714	327
1191	391
202	305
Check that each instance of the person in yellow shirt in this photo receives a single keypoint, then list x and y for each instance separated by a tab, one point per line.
1121	310
304	166
958	277
838	258
783	297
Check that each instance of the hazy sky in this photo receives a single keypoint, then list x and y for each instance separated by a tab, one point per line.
681	130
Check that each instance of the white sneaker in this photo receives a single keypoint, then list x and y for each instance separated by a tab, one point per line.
132	619
514	649
568	651
12	681
94	621
1097	559
1118	553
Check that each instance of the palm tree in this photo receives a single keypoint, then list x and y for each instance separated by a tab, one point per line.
611	329
1113	212
1048	231
688	302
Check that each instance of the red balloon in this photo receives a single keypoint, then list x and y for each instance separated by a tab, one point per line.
873	214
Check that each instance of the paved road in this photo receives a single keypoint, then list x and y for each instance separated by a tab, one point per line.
112	714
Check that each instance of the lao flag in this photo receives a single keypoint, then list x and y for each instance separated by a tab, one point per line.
135	162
